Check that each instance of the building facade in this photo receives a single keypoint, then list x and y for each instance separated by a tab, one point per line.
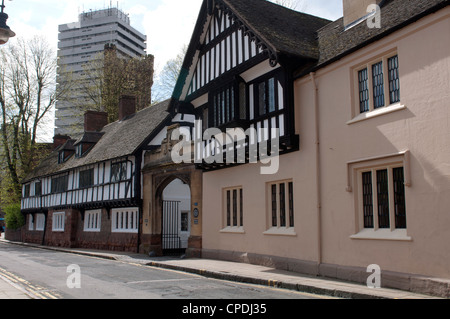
84	41
368	104
291	141
87	193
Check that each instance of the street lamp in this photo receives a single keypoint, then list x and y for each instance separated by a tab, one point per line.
5	31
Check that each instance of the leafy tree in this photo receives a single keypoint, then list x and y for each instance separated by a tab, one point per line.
13	217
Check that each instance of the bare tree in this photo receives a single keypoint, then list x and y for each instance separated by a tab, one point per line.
298	5
28	92
167	78
108	76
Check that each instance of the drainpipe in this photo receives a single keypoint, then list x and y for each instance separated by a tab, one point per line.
318	170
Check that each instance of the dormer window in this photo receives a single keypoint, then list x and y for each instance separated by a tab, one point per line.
79	150
64	155
66	151
86	143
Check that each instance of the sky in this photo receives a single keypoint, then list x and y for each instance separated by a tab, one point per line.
168	24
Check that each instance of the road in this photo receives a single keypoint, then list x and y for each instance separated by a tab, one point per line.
57	275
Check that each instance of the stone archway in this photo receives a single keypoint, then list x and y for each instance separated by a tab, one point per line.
159	171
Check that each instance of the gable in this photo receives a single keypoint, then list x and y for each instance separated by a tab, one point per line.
227	44
232	36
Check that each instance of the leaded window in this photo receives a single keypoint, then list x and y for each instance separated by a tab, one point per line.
384	207
378	84
394	80
86	178
118	172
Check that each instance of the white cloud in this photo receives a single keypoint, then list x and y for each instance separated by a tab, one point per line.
169	27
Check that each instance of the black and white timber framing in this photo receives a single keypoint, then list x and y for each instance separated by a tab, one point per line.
235	75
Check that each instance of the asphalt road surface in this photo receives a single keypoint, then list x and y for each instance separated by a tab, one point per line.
57	275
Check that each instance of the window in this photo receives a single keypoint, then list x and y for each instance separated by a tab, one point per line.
26	192
60	184
92	220
39	221
30	222
79	150
378	84
184	221
280	197
383	198
234	214
63	156
86	178
125	220
266	97
224	106
38	189
58	222
118	172
229	104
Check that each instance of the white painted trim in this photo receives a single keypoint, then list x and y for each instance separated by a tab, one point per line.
378	112
281	231
382	234
233	230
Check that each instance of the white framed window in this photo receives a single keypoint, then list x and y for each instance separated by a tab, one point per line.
31	222
39	221
92	220
58	222
233	209
125	220
280	208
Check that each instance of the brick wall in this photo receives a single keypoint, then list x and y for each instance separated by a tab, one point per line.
74	235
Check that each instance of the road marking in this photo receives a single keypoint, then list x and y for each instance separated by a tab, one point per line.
162	280
31	290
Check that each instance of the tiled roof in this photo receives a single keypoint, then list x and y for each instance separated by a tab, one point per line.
288	32
119	139
335	42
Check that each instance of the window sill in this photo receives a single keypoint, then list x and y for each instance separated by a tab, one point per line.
281	231
378	112
91	230
382	234
233	230
124	231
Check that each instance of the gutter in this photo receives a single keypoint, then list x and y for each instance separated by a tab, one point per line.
318	168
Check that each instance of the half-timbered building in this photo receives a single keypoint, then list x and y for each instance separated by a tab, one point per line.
359	110
307	145
87	192
238	73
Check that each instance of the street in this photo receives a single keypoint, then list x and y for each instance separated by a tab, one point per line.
57	275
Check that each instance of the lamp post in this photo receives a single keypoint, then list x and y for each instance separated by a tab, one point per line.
5	31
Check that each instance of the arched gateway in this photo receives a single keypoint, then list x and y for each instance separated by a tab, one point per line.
172	204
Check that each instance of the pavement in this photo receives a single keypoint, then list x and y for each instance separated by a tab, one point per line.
224	270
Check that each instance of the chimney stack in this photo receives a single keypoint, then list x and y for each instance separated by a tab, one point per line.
127	106
95	121
356	9
59	140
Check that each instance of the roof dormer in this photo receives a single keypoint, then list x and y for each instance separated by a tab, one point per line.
66	151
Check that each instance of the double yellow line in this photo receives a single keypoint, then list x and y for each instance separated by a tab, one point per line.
33	291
